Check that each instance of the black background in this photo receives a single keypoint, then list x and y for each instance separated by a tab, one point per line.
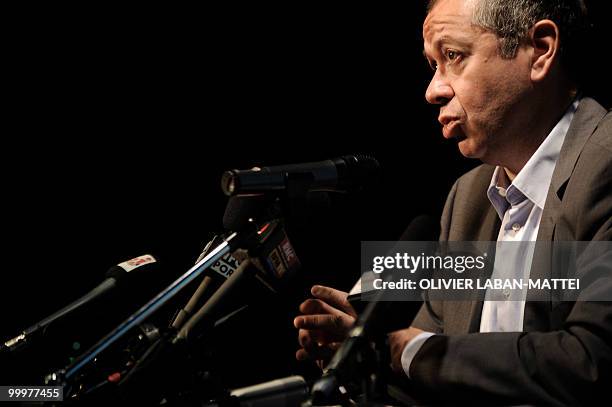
120	123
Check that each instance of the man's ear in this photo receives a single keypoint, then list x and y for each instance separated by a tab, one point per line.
545	42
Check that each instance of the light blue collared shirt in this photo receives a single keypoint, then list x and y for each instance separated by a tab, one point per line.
519	205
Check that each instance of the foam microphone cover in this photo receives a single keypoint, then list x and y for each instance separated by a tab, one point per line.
241	208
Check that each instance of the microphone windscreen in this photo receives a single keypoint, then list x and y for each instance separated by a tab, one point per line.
423	228
358	171
241	208
393	315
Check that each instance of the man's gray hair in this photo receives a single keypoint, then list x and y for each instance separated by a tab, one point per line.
512	19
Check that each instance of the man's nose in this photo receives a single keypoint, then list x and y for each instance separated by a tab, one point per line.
439	91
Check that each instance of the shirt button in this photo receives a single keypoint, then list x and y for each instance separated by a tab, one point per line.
507	293
516	227
501	192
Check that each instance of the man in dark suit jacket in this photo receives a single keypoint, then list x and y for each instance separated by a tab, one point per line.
505	83
564	354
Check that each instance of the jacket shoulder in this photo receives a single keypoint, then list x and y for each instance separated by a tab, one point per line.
479	176
603	134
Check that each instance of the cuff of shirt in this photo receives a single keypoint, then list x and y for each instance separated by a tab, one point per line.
412	348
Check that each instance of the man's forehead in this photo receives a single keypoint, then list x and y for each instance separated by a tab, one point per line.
448	14
453	4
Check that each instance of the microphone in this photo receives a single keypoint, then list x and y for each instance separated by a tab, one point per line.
220	271
115	276
287	391
238	211
120	272
273	262
393	315
422	228
375	320
343	174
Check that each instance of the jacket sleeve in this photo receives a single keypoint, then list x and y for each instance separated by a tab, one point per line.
566	367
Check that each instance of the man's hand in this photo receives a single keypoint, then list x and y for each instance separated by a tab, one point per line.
397	342
326	321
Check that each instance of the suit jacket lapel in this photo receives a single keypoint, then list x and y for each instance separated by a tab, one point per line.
474	219
587	116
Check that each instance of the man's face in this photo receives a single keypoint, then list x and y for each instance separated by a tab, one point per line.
481	95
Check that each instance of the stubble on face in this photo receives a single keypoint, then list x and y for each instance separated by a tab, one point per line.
484	112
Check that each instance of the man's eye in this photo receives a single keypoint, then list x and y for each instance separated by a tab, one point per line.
452	55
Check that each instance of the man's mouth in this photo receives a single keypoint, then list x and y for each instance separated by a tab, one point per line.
453	131
459	138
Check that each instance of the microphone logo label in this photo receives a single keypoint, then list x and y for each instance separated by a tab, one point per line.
226	265
283	258
137	262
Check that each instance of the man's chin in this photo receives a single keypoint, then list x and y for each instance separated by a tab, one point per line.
468	149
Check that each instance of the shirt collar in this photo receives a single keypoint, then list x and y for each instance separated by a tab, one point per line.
534	178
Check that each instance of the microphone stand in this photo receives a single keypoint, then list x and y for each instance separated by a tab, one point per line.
173	344
359	365
250	238
64	376
269	260
206	285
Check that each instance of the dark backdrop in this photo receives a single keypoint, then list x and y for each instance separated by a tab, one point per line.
122	121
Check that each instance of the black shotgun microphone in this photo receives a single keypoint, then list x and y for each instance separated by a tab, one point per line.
121	271
343	174
372	322
393	315
115	276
